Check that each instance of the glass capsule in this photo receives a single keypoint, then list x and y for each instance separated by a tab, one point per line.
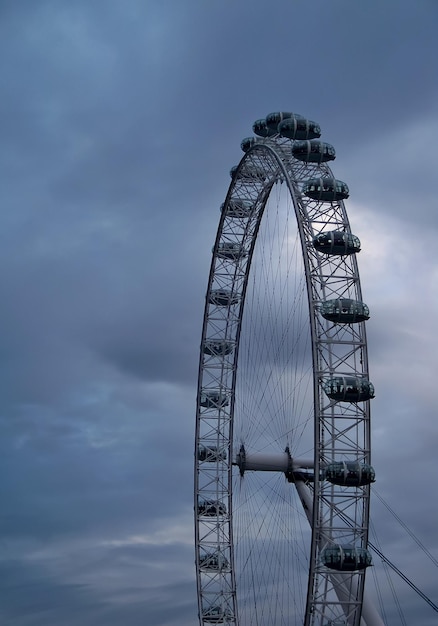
348	389
274	119
350	474
326	189
218	347
313	151
230	250
238	208
213	399
261	129
248	171
299	128
217	615
346	558
248	143
345	311
211	454
211	508
337	242
213	561
222	297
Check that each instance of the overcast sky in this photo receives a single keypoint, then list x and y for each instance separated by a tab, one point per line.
119	123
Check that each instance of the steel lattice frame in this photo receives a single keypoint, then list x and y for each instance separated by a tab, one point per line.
340	429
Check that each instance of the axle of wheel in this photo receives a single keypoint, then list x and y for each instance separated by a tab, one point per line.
294	469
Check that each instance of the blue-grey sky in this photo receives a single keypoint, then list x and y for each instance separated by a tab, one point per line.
119	124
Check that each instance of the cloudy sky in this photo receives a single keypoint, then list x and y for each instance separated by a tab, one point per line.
119	123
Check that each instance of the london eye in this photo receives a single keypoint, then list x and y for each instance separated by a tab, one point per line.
283	453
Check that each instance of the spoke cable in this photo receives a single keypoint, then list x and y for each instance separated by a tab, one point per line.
407	529
393	567
389	579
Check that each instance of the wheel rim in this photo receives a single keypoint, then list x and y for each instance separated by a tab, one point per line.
273	412
244	404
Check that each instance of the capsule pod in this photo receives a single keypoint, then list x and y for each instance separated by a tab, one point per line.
326	189
261	129
213	561
274	119
350	474
230	250
346	558
213	399
336	243
218	347
211	508
222	297
348	389
211	454
249	172
216	615
299	128
345	311
248	143
313	151
238	208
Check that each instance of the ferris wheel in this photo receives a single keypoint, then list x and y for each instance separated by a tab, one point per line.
282	451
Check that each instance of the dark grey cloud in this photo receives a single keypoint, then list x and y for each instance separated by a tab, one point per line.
119	124
33	592
30	596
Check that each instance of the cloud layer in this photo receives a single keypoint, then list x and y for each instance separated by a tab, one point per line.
119	124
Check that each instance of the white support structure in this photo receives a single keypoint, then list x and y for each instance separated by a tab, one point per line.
335	366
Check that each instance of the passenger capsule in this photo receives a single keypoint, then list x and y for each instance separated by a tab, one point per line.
222	297
213	399
211	454
313	151
326	189
217	615
350	474
274	119
348	389
346	558
213	561
261	129
299	128
211	508
238	208
218	347
337	242
249	172
230	250
345	311
248	143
